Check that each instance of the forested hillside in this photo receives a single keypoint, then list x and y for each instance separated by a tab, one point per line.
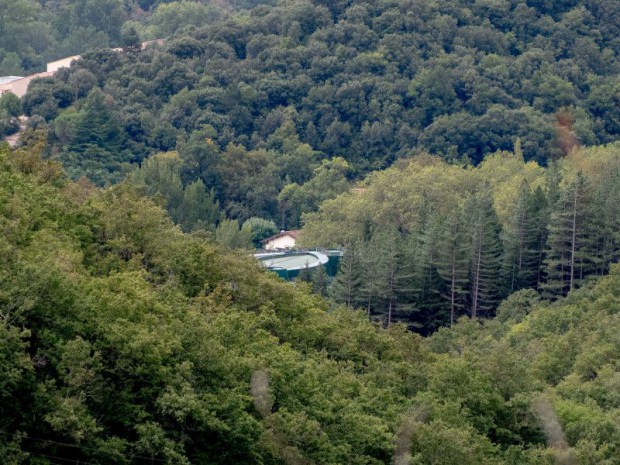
34	32
427	241
463	155
267	106
124	341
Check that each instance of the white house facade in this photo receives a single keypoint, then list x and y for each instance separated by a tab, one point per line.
284	240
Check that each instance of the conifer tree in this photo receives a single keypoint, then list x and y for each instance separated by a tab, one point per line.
96	126
409	308
515	238
199	208
539	205
524	240
304	275
429	285
391	282
320	280
605	224
230	234
347	284
369	262
486	254
568	242
159	175
130	40
453	264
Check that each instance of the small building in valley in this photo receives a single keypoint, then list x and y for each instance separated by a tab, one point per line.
283	241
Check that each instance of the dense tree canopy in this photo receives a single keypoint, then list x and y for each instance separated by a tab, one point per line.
255	101
34	32
132	333
457	240
123	340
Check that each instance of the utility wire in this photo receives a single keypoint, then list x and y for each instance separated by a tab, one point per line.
64	444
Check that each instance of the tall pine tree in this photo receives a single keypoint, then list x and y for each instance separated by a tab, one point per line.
605	218
391	284
486	255
524	239
432	309
96	126
320	280
541	210
569	245
199	208
454	250
347	284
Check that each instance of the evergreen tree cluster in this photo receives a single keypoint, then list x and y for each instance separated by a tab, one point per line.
456	256
191	206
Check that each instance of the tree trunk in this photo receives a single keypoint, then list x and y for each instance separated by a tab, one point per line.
573	240
476	284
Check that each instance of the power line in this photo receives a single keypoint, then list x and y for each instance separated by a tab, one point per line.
49	441
53	457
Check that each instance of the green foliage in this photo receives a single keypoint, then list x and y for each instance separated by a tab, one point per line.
169	17
329	180
320	281
453	250
46	97
346	286
123	340
34	32
96	125
192	206
524	239
486	253
10	105
260	229
231	234
130	40
466	238
265	106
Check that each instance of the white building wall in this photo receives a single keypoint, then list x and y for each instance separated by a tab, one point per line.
64	63
284	242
